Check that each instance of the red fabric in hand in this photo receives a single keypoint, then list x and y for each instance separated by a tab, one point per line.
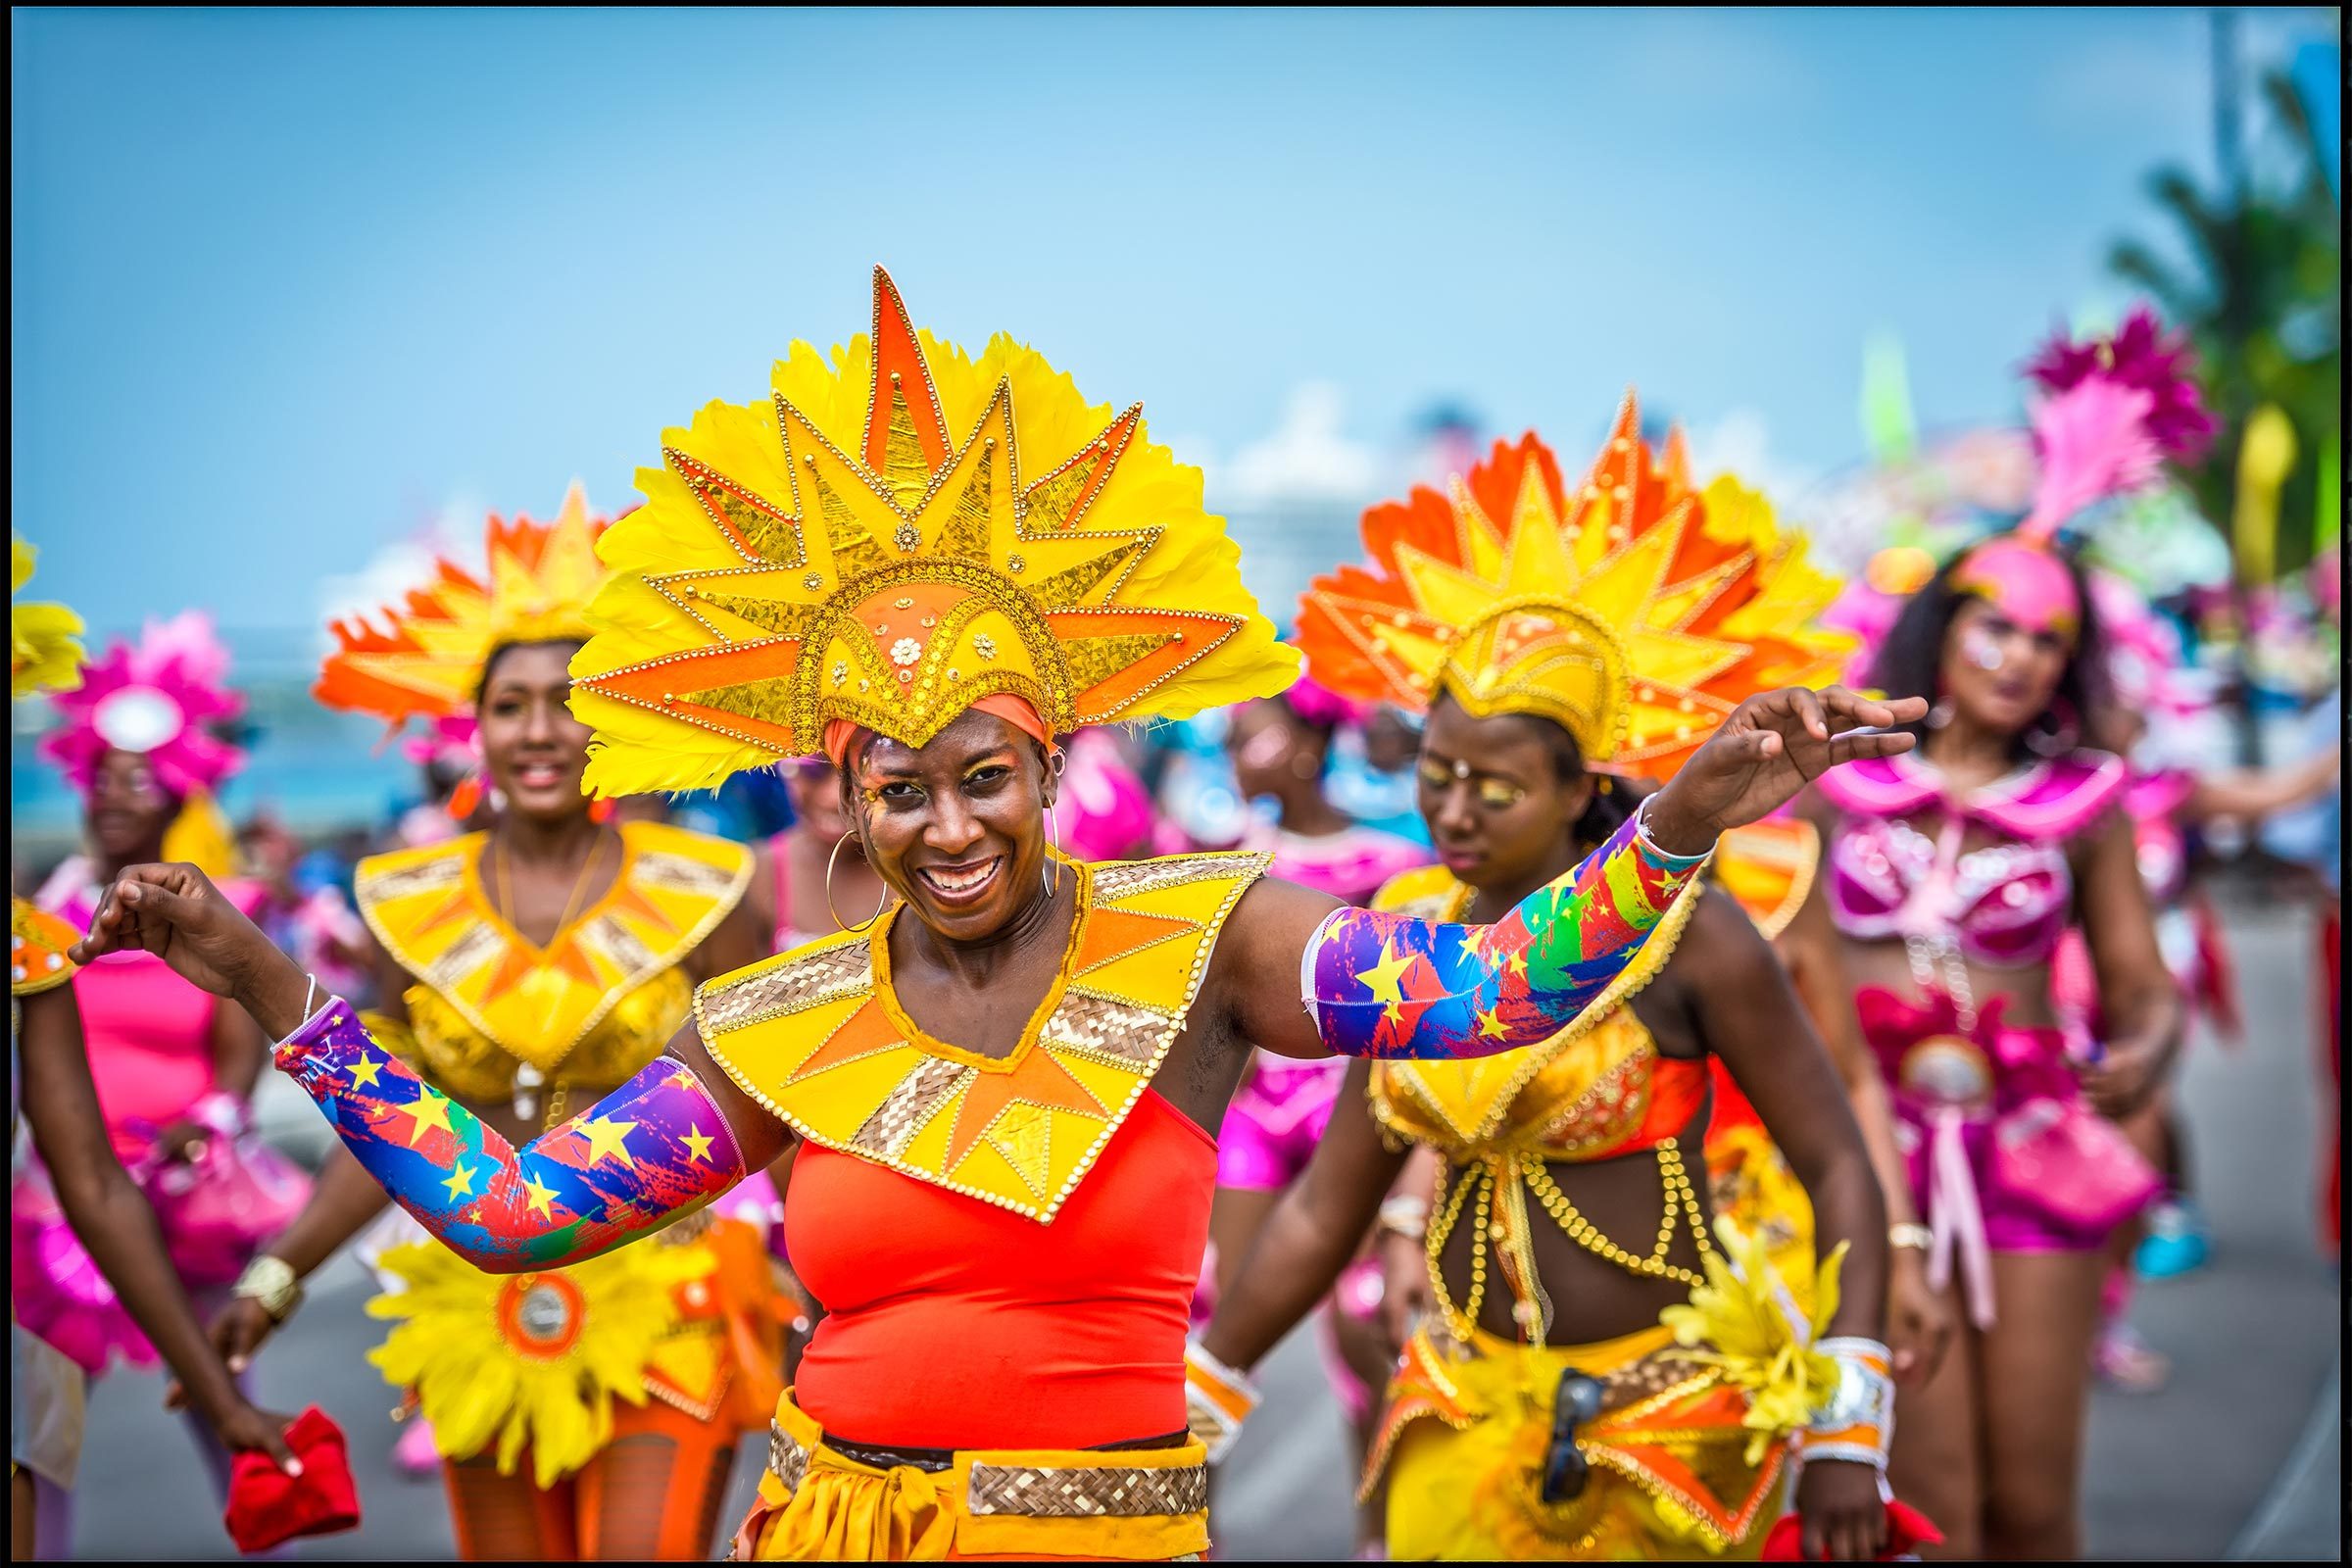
1907	1529
267	1506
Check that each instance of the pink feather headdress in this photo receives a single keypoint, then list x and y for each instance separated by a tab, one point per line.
160	698
2114	411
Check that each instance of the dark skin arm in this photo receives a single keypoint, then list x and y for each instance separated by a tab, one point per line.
1308	1238
1748	1014
1918	1322
738	940
2138	994
112	1217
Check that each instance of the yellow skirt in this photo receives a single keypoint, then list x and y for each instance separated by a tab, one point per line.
1469	1425
1031	1504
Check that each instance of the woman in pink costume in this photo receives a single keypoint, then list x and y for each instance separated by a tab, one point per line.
1280	748
1952	874
175	1070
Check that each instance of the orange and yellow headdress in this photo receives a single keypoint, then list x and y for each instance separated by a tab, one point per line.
426	661
44	651
896	535
1629	608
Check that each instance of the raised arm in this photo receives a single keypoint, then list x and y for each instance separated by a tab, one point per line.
1387	985
665	1143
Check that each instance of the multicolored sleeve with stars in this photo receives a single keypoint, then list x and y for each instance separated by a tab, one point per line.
1384	984
654	1149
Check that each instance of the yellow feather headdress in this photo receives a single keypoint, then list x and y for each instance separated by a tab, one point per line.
1632	608
426	661
891	537
44	651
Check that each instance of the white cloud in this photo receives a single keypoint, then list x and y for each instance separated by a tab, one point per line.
1739	443
1307	457
454	531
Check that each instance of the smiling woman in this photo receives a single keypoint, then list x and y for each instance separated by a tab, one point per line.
1003	1091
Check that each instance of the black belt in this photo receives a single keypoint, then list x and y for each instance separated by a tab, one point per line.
939	1459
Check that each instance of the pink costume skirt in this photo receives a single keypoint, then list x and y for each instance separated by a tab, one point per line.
2005	1155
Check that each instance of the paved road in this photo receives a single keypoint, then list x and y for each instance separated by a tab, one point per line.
2240	1458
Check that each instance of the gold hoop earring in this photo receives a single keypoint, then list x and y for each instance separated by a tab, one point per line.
880	902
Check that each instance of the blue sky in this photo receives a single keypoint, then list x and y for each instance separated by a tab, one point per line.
286	286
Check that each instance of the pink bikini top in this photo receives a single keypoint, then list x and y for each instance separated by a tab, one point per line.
2007	903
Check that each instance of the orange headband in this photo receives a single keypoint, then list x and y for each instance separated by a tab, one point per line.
840	733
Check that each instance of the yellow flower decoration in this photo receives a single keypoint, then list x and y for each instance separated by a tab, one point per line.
531	1360
45	655
1752	1334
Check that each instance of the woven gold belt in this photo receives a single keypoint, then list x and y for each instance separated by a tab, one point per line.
1041	1491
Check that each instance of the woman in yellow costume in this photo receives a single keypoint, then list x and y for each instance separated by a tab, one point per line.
927	567
584	1412
1561	639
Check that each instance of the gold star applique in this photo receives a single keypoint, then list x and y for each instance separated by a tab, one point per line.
698	1142
608	1136
1490	1023
541	1198
364	1071
430	1109
683	1078
461	1181
1385	980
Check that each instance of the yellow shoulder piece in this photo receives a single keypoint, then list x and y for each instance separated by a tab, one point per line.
1428	891
36	949
1769	867
817	1036
1460	1106
429	909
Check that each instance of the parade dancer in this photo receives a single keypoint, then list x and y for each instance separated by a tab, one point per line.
587	1412
113	1232
927	564
1952	874
142	740
1563	641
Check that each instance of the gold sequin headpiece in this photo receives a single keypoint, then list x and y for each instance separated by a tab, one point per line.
425	661
1632	608
893	536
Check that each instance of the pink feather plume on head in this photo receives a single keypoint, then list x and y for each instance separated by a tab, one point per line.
2114	411
171	685
2142	356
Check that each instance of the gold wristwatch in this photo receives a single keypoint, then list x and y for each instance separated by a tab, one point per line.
272	1282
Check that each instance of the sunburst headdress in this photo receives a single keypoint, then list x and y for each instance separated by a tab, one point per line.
1632	608
893	537
44	651
426	661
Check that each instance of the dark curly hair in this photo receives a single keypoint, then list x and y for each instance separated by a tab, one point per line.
1910	663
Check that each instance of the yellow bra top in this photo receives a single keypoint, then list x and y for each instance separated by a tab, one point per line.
1602	1091
594	1005
1591	1092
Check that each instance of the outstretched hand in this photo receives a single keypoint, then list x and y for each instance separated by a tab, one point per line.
1768	750
175	912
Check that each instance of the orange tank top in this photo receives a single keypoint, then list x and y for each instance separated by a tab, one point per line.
1005	1247
954	1323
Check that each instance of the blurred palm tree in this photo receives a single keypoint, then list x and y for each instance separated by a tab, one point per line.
2257	289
